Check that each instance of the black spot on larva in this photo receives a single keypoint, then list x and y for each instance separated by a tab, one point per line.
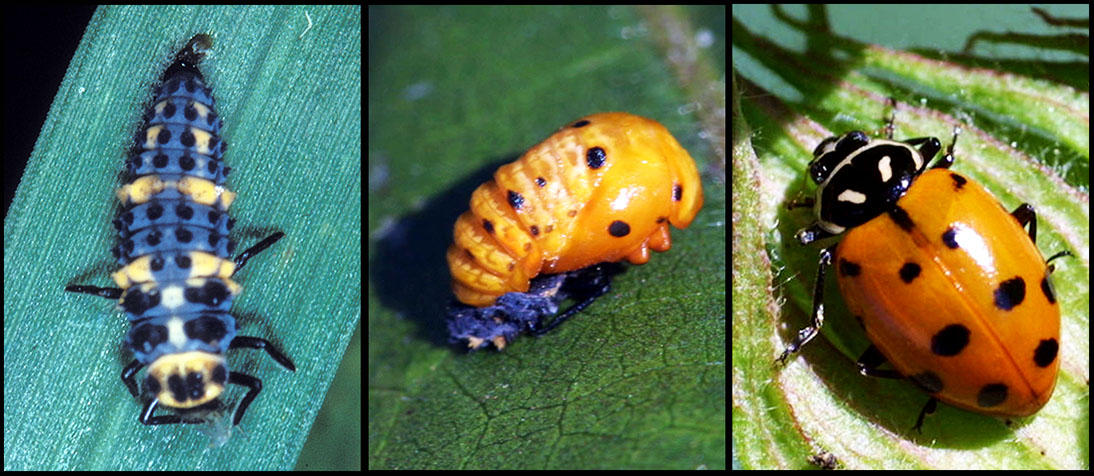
1046	351
950	341
595	158
191	112
1010	293
188	138
186	212
187	163
534	230
677	192
541	182
581	123
619	229
488	226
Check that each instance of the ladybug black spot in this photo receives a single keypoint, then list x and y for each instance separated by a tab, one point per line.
929	381
1010	293
950	341
909	272
1046	352
949	238
901	219
958	181
516	200
992	395
849	268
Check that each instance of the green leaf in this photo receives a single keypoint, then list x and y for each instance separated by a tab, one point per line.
290	99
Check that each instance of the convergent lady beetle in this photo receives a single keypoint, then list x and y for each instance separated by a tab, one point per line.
946	283
602	189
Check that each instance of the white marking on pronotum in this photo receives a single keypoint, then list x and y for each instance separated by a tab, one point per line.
301	37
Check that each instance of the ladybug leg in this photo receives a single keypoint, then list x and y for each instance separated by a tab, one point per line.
928	148
266	242
947	160
247	342
889	127
807	334
869	362
928	408
803	202
128	376
1025	213
812	233
868	365
585	286
146	417
110	293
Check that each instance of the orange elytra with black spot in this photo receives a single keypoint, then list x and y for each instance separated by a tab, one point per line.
604	188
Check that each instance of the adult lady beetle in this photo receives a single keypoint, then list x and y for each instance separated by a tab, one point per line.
175	281
602	189
947	284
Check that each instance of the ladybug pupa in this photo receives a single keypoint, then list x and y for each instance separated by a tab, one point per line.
175	283
547	227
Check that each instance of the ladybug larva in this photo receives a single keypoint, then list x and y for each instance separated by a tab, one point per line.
948	285
601	190
175	283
